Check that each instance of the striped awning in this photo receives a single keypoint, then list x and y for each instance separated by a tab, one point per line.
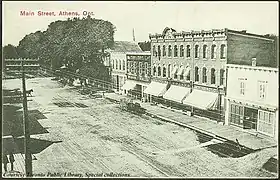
176	93
128	85
187	71
201	99
180	71
156	88
174	71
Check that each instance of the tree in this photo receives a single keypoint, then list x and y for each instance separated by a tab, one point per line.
9	52
75	43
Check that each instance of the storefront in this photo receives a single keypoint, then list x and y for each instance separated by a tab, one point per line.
155	91
253	117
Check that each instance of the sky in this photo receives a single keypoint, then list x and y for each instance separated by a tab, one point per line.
145	17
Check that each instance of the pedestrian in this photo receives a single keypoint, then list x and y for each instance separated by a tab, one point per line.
5	161
12	160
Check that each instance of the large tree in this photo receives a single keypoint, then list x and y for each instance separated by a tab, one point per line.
75	43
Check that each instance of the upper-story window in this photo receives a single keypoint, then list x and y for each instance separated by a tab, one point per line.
181	51
213	76
169	51
175	51
242	87
204	75
117	65
140	68
223	51
169	70
136	67
204	55
222	76
154	50
154	71
163	51
196	51
113	64
159	71
164	71
159	51
188	51
262	89
146	68
213	51
196	75
120	65
123	64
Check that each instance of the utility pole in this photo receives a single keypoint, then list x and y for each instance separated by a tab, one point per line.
28	158
18	66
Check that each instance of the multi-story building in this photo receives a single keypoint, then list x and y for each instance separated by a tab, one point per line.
252	98
138	73
196	61
117	59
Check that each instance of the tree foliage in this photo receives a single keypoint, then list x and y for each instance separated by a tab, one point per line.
75	43
145	46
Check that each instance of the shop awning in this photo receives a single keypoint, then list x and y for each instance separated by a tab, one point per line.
128	85
176	93
201	99
180	71
174	71
187	71
156	89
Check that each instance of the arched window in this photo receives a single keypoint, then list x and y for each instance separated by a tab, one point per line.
213	76
117	65
159	51
169	70
188	51
204	75
164	71
136	67
154	50
181	51
146	68
120	65
213	51
181	73
154	71
113	64
222	76
196	75
204	51
123	64
169	51
223	51
175	51
163	51
196	51
159	71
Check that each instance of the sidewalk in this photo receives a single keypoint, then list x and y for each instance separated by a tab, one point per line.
207	126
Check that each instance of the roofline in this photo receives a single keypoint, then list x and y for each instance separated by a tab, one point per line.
249	34
252	67
138	53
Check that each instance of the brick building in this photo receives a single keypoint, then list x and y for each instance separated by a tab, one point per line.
117	60
197	61
138	73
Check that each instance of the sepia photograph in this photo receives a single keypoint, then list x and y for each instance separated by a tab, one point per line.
140	89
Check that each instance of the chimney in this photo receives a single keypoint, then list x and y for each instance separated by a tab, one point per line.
254	61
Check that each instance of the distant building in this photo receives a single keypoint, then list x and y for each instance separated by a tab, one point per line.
197	61
117	61
252	98
138	73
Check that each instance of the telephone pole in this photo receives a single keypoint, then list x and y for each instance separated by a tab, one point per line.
22	66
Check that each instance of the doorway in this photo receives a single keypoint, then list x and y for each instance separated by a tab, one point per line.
250	118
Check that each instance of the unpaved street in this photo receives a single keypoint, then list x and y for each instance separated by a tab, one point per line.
93	136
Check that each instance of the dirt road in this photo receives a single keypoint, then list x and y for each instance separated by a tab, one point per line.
95	137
